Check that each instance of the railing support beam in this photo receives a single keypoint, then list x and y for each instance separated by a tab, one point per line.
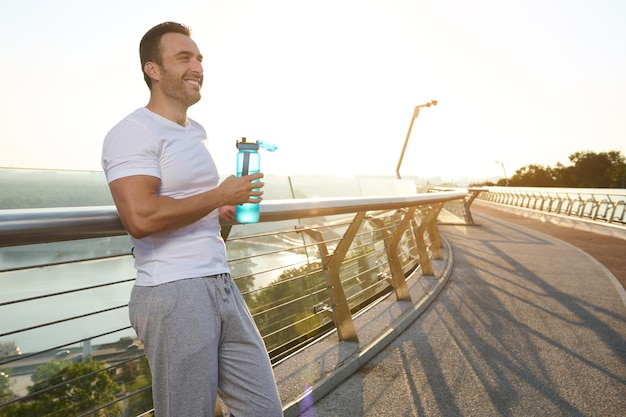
434	237
331	265
433	231
391	247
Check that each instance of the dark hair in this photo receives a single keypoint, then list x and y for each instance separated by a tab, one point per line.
149	47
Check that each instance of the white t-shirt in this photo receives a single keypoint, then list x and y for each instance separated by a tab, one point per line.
145	143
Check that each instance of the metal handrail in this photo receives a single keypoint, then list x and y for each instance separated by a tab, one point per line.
31	226
606	205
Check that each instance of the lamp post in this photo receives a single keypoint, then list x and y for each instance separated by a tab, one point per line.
506	179
416	113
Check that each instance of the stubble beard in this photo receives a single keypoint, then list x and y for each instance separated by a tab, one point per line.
176	88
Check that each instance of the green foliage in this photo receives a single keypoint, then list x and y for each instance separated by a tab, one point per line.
587	170
135	376
537	175
284	310
67	389
45	372
296	291
5	388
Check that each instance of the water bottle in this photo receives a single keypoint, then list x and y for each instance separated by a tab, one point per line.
248	162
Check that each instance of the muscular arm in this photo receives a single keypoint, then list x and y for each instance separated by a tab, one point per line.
143	212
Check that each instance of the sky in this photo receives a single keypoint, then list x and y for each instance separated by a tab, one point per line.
333	83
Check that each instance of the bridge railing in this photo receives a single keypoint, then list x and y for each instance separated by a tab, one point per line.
305	269
604	205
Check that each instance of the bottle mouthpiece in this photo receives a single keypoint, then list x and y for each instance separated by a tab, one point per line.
267	146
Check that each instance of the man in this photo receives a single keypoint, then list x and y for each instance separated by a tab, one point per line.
198	334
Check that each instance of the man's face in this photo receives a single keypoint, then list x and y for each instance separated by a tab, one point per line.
181	69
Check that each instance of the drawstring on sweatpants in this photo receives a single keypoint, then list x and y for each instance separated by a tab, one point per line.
226	282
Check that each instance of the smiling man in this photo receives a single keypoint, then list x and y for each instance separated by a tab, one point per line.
198	334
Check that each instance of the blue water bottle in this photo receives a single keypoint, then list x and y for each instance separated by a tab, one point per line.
249	162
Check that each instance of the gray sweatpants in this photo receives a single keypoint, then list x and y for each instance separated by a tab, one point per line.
200	340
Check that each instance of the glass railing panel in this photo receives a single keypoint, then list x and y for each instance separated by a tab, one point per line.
452	212
61	305
305	186
27	256
281	279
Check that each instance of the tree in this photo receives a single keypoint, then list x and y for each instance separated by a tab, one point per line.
597	170
5	387
587	170
46	371
295	291
533	176
135	376
67	389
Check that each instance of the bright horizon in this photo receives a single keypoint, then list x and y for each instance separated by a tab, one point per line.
332	83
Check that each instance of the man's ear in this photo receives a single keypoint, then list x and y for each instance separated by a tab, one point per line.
152	70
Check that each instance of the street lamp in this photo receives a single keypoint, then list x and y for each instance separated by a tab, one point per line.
416	113
504	171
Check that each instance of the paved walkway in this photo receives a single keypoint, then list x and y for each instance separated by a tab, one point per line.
608	250
528	325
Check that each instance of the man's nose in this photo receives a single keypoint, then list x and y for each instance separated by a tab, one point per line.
197	66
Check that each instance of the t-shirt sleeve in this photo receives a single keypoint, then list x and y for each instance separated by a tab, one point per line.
130	149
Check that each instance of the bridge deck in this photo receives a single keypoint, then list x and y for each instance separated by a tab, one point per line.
528	325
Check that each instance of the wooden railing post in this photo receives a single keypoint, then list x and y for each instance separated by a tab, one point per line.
392	239
331	263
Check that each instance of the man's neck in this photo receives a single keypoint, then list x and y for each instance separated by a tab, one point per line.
173	113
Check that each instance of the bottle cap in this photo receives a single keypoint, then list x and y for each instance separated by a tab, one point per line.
248	146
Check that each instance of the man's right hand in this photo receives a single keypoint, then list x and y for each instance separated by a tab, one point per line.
240	190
